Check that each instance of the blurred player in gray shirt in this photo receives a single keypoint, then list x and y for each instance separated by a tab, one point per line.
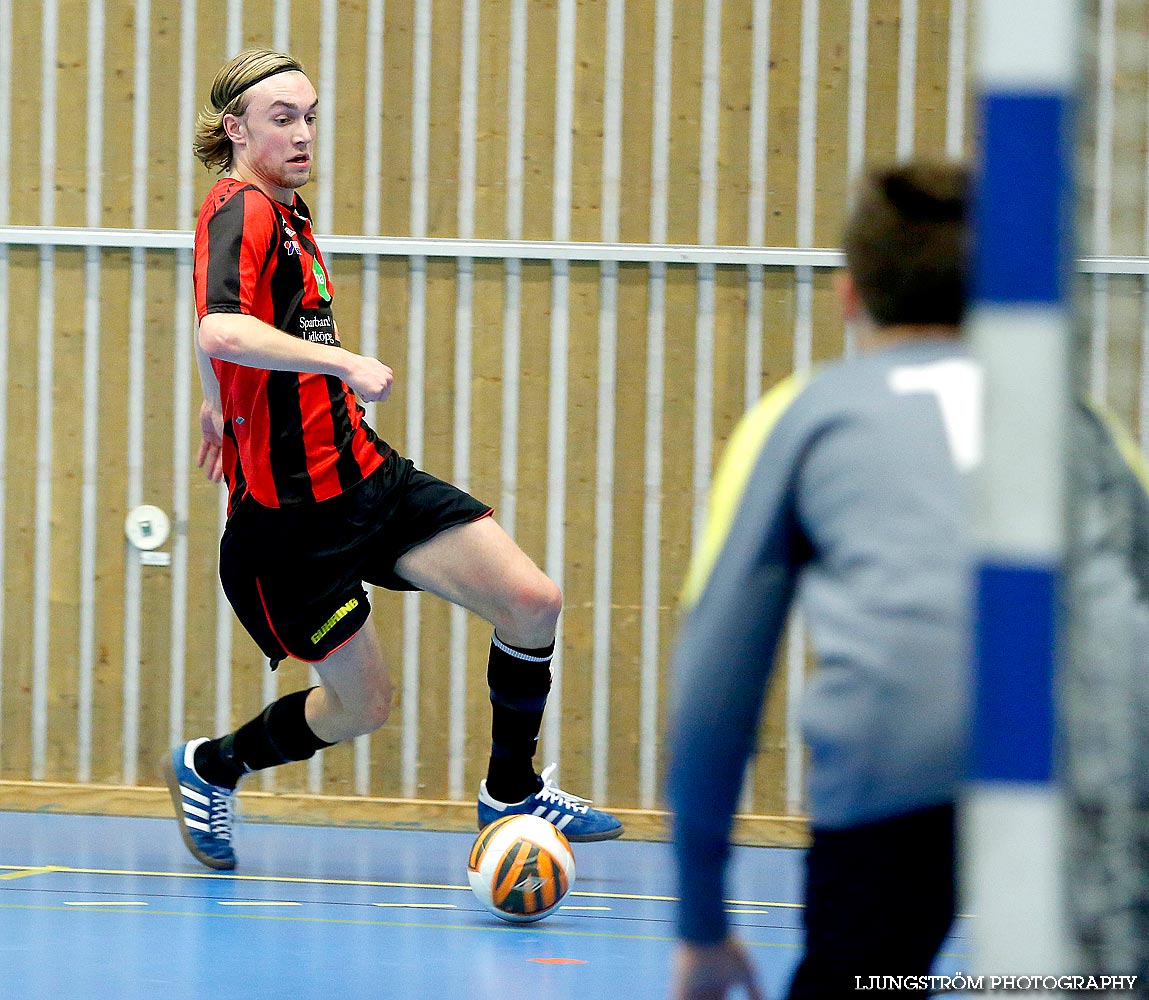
844	491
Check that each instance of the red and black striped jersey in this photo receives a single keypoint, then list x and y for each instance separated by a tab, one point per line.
289	437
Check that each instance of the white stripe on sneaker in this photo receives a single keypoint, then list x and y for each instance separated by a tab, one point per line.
561	824
195	796
539	811
196	825
190	810
553	815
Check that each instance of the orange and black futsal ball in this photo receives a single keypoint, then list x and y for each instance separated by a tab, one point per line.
520	868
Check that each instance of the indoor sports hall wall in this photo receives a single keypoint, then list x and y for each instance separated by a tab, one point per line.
585	391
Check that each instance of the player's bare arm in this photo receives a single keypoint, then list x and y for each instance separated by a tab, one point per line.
245	340
390	372
210	456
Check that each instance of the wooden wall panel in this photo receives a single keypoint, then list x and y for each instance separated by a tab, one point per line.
833	102
347	118
19	548
931	92
539	137
1127	199
626	577
882	81
637	104
111	503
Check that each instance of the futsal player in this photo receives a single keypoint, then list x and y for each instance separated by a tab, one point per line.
843	492
318	503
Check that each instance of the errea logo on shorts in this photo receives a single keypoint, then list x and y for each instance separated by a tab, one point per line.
334	620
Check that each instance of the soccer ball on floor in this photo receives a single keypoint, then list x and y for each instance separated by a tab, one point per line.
520	868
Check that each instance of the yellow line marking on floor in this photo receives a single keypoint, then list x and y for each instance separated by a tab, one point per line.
299	880
104	902
25	872
420	906
497	927
258	902
21	871
228	876
285	879
502	928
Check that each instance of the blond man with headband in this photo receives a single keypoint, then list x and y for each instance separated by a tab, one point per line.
318	503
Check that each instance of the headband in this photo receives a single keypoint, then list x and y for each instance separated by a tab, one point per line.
259	79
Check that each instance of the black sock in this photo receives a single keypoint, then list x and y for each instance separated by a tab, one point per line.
278	735
520	680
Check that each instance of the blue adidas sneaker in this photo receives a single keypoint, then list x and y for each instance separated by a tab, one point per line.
578	822
205	812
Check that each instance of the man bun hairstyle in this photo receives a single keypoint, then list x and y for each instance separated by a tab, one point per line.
907	243
212	147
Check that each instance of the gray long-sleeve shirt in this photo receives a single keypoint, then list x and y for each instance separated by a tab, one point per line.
852	500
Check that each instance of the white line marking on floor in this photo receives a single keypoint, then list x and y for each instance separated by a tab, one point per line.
258	902
104	902
565	907
420	906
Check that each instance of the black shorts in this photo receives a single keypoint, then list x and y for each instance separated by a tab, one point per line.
880	899
295	575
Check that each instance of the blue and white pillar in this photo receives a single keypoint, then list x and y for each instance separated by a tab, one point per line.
1013	815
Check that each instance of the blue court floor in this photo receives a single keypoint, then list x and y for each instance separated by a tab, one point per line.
103	907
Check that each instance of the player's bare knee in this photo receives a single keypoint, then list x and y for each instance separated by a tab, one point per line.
377	707
534	609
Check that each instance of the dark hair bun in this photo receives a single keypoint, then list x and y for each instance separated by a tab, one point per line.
915	202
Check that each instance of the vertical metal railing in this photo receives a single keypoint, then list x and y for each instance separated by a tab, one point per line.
183	354
707	234
223	615
416	366
5	169
46	382
956	78
512	277
907	78
234	26
856	88
91	436
136	387
856	114
605	408
281	37
756	200
325	218
803	356
652	442
464	295
369	305
559	356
